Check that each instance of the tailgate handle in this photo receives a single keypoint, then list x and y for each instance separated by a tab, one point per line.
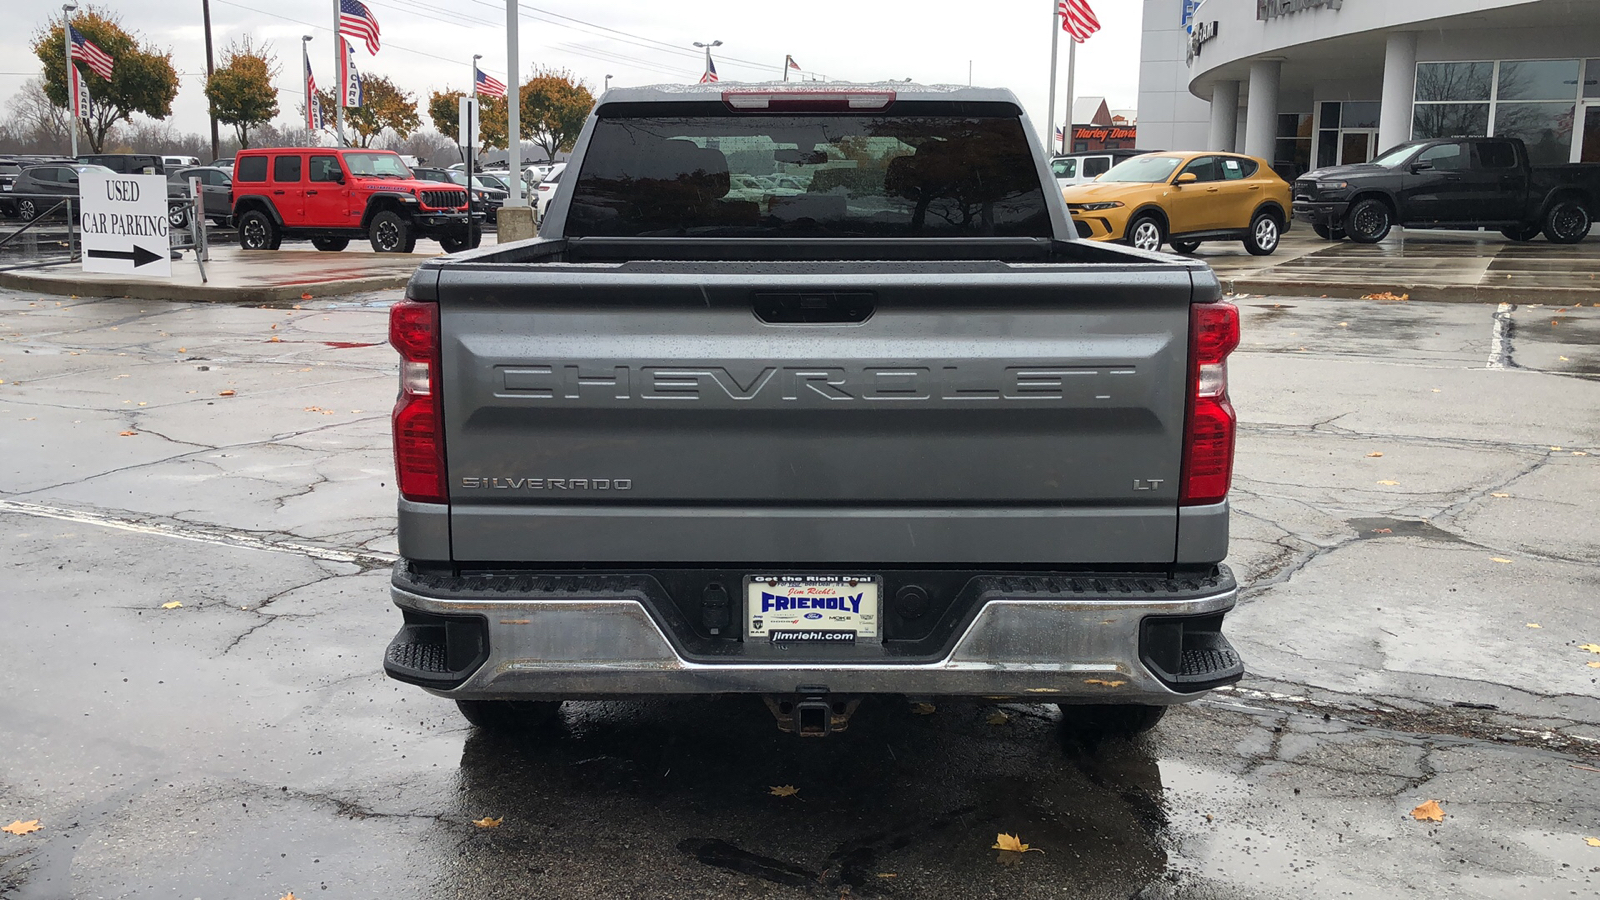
814	307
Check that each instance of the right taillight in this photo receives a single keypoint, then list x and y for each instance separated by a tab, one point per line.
1209	422
418	413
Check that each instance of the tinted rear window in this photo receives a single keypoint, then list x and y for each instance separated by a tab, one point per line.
251	168
819	176
286	169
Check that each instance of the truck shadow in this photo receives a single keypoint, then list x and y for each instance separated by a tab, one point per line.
616	796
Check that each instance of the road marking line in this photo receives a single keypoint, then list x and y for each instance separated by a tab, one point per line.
198	533
1499	342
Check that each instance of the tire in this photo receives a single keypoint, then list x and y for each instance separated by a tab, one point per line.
458	243
391	232
1567	222
1522	233
27	210
1145	233
177	217
257	231
1265	234
1368	221
330	244
1328	232
1185	246
1105	720
509	716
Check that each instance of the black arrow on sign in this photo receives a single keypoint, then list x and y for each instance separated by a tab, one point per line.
138	255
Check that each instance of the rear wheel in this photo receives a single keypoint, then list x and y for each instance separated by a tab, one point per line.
1145	233
1264	234
258	232
509	716
1369	221
1521	232
177	217
330	244
1567	222
1120	719
1185	246
391	233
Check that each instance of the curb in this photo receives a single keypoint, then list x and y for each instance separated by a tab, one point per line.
200	293
1426	293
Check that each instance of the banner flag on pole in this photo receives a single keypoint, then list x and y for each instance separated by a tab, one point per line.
80	94
1077	19
350	84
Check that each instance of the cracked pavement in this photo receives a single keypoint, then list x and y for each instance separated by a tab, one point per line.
1405	514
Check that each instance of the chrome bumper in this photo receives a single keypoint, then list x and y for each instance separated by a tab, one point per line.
1060	650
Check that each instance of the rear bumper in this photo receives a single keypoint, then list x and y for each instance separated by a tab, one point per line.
597	637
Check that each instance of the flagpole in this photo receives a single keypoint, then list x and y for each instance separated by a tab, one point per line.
66	34
1072	69
786	69
1055	39
342	67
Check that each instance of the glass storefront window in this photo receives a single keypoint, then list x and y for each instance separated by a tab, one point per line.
1545	127
1327	148
1454	81
1435	120
1330	115
1360	115
1591	78
1538	79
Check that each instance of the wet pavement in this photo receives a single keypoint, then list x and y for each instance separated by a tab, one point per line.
1414	495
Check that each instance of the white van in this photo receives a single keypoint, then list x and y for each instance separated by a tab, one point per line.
1078	168
179	162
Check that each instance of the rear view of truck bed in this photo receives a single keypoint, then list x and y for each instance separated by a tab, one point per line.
817	466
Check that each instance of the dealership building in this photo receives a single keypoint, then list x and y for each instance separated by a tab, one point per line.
1310	83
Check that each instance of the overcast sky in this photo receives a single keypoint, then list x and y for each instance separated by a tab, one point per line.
428	44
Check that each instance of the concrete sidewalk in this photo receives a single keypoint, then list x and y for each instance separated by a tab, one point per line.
240	276
1459	266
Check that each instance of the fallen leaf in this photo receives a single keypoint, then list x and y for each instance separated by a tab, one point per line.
304	297
897	875
1564	359
1012	843
20	827
226	394
1386	295
1428	812
997	718
1374	454
275	340
1344	324
289	896
1502	496
274	326
1102	681
487	822
127	433
173	605
1389	483
1593	842
1499	559
1593	665
1579	453
1534	625
1591	648
183	349
783	790
1552	448
1437	391
923	709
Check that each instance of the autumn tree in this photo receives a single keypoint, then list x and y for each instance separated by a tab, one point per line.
142	77
241	91
554	107
444	107
384	107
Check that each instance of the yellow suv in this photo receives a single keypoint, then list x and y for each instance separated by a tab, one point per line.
1183	199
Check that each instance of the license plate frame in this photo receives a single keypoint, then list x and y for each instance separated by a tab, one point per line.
855	616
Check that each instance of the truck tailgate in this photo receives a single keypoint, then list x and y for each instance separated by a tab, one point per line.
972	413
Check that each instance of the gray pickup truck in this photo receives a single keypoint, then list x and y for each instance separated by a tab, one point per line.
897	433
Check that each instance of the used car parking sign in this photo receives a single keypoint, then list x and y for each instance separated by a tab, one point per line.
123	220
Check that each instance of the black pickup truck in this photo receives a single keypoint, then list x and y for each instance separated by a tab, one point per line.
1451	183
896	431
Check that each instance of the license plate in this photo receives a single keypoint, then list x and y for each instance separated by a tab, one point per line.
812	609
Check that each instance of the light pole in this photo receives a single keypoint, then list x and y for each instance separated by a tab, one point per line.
471	152
608	83
66	35
205	9
708	56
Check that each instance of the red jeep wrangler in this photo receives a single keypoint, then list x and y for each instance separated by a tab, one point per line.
331	195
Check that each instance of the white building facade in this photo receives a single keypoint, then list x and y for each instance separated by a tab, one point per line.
1310	83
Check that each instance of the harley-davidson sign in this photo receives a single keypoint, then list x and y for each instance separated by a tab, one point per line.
1105	134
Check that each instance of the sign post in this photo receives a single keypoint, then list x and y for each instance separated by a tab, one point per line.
123	220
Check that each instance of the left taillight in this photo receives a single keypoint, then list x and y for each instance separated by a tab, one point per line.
1209	423
418	412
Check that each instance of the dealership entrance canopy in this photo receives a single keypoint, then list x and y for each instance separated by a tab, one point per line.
1308	83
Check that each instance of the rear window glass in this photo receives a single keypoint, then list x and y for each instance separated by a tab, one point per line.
286	169
1096	165
1497	155
251	168
1235	169
816	176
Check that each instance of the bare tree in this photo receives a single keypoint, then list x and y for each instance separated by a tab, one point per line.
34	123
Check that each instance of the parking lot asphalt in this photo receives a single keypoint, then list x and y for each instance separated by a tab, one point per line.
196	519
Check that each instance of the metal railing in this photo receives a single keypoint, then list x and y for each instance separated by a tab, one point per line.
49	233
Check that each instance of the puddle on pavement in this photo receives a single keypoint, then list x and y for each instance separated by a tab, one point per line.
1383	526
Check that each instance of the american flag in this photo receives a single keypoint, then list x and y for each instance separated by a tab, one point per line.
1061	134
313	103
1077	19
791	63
711	72
96	59
358	22
489	87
